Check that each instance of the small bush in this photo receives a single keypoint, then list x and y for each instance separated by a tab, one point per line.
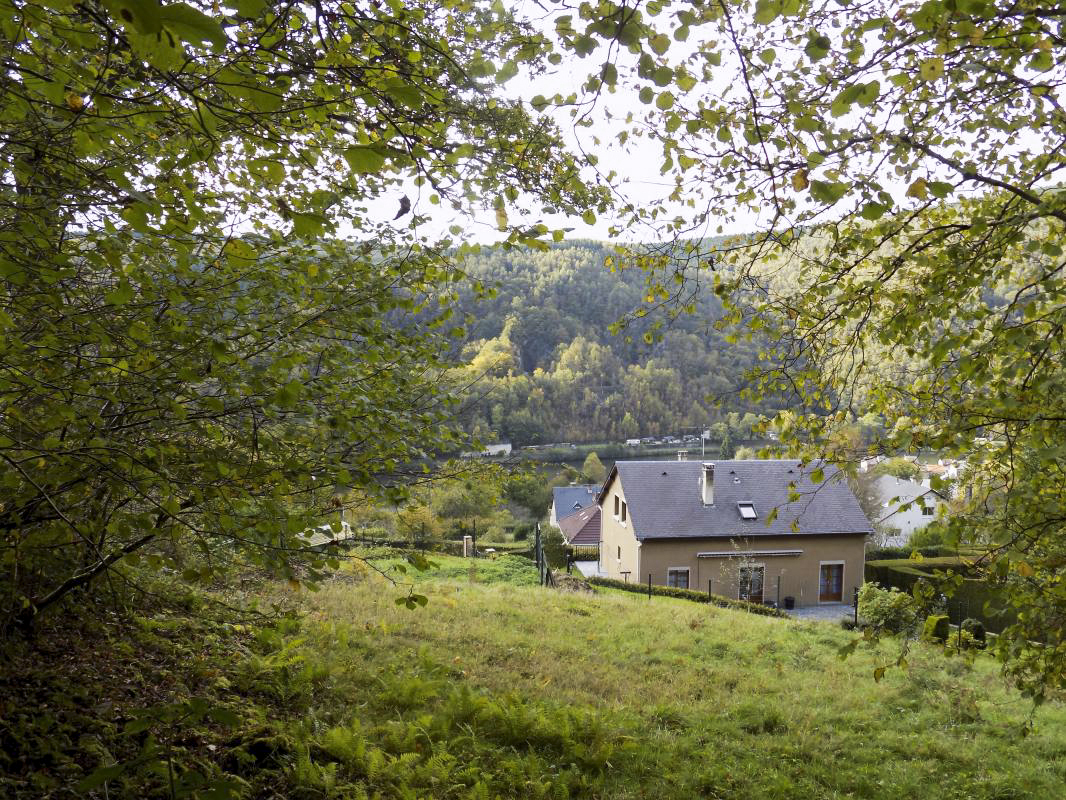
975	628
888	609
937	627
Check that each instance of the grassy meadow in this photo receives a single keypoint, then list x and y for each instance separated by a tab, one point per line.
499	688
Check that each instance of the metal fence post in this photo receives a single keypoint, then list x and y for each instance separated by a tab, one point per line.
649	586
855	604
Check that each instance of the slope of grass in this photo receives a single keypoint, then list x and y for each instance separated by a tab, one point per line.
504	690
504	568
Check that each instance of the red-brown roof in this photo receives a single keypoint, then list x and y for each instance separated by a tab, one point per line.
582	527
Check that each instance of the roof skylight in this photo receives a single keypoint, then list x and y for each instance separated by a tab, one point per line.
747	510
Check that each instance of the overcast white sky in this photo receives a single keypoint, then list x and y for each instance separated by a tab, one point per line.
637	164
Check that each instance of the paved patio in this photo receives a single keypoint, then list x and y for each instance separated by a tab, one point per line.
827	612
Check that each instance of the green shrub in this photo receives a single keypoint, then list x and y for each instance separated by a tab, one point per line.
937	627
975	628
888	609
933	551
689	594
554	547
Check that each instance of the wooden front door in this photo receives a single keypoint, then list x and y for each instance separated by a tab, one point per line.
751	583
831	583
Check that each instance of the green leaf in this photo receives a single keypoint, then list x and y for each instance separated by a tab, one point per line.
664	101
506	72
252	9
940	189
306	224
873	211
659	43
364	160
142	16
931	69
99	777
766	11
828	192
192	26
120	295
288	394
817	46
868	93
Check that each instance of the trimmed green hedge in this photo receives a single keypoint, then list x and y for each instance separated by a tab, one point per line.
689	594
936	628
879	553
973	596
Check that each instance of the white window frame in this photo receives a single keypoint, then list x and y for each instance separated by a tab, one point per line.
754	565
617	501
843	581
625	514
688	576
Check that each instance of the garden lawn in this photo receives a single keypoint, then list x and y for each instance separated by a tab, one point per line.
498	689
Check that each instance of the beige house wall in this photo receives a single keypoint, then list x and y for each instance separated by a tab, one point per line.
620	551
799	574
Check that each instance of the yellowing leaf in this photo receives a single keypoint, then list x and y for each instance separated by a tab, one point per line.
931	69
799	180
918	189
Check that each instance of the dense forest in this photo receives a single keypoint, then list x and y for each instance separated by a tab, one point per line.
544	366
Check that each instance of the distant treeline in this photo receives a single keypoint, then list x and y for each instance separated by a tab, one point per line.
551	370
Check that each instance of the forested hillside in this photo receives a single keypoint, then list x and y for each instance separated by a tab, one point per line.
544	365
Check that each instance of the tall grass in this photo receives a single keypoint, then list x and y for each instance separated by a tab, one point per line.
497	689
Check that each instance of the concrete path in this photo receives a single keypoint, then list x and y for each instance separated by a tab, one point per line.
590	569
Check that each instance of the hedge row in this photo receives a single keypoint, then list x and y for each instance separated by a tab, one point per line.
971	599
689	594
881	553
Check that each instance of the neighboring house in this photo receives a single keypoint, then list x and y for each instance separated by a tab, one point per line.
567	500
324	536
684	523
893	494
582	528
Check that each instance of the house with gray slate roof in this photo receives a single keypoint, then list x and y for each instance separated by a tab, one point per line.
760	530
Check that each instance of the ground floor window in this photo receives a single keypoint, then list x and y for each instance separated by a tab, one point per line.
751	583
831	583
677	577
